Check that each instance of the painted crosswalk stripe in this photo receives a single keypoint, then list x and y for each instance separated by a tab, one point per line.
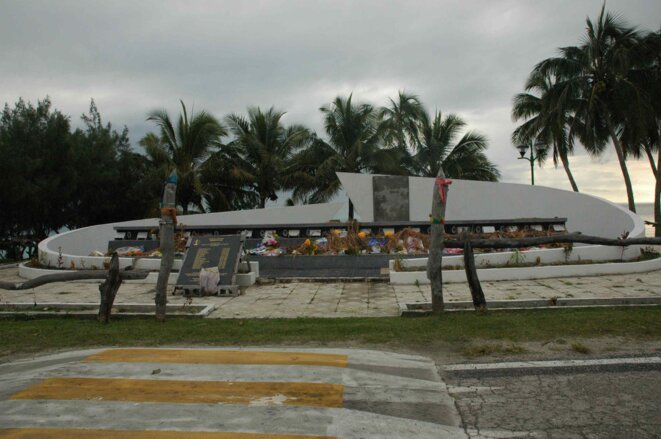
200	392
201	356
71	433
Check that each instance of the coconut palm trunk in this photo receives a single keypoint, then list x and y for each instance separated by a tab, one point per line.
650	157
570	176
623	167
657	197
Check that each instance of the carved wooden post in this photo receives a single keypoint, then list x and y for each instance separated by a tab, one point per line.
166	236
435	260
479	302
108	289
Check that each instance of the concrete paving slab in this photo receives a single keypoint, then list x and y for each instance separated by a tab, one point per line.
340	299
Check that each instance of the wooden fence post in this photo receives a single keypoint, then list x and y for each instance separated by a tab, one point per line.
479	302
108	289
166	237
435	260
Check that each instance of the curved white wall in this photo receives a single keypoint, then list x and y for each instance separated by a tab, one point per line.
77	244
470	200
467	200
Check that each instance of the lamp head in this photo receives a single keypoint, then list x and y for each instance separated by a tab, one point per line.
522	149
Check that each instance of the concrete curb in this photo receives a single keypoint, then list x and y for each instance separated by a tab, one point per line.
424	308
286	280
555	366
9	265
90	310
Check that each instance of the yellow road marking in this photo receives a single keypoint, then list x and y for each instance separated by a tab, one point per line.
201	392
199	356
70	433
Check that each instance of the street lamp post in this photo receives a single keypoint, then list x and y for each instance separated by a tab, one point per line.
536	146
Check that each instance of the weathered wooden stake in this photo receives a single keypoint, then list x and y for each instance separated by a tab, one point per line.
166	236
479	302
435	260
108	289
66	277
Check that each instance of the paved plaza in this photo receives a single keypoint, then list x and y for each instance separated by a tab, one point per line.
343	299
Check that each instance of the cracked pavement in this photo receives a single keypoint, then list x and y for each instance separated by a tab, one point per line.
564	404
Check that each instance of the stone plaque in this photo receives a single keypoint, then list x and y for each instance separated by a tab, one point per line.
222	251
391	198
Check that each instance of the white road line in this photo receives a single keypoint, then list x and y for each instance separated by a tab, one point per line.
554	363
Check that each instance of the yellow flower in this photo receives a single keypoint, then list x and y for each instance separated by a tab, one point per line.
388	233
362	235
307	243
335	232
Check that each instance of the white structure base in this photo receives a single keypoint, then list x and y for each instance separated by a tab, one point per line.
526	273
246	279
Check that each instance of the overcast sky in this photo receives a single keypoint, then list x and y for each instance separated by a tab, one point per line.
465	57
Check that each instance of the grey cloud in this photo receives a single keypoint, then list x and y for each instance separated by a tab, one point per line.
465	57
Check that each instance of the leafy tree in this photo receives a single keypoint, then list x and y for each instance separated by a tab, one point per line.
437	148
266	146
354	145
646	138
184	148
401	120
114	182
400	125
36	175
424	145
227	182
548	119
597	72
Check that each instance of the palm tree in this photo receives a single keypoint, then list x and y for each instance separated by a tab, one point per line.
423	145
548	120
266	147
436	149
400	120
400	125
227	183
354	145
597	73
184	148
653	139
646	74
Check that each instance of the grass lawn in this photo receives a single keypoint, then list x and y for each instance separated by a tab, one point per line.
34	335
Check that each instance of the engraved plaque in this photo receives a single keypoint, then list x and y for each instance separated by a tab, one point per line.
221	251
391	198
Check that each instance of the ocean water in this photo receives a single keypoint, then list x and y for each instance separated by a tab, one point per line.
646	212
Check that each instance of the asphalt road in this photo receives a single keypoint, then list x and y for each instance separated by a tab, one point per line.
559	400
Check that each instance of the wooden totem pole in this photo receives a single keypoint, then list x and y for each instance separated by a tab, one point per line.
435	260
166	236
